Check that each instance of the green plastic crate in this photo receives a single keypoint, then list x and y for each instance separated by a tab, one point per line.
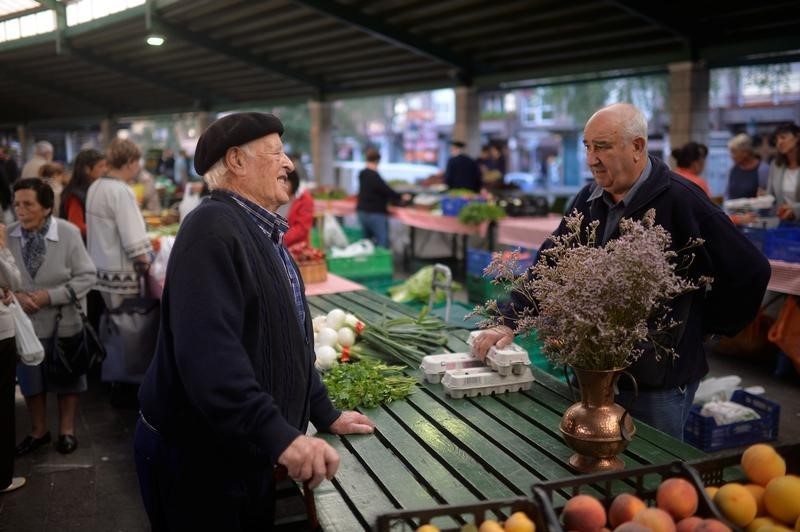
379	264
353	234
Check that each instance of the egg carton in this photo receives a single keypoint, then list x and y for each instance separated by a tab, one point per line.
473	382
434	366
510	359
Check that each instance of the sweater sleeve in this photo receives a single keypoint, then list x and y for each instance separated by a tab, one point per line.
83	274
207	326
9	273
130	224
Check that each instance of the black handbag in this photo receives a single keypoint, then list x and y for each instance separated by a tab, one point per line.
129	333
70	357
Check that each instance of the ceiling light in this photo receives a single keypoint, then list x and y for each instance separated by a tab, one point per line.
155	40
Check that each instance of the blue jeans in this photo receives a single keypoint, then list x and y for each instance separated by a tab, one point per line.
666	410
376	227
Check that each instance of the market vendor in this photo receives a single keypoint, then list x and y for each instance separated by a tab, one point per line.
227	399
628	183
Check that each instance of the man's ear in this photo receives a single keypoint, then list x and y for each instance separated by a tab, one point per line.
234	160
639	144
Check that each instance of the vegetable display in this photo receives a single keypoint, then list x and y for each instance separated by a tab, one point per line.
477	213
418	288
367	384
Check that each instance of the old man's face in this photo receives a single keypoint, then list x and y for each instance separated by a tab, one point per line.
266	180
611	157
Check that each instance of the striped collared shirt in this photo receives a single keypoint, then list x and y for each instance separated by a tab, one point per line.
274	226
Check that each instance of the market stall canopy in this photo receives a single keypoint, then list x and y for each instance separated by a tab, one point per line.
224	54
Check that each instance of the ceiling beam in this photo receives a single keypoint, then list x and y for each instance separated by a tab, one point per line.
170	29
377	27
654	13
13	73
202	99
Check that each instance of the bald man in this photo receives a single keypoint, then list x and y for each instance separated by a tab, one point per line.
627	183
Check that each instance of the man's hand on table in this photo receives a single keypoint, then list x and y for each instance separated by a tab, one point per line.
499	336
310	459
351	422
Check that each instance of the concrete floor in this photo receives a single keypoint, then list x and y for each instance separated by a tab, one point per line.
95	489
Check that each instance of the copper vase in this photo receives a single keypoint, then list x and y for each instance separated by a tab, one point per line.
597	428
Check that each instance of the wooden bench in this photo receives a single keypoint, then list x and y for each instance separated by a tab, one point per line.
432	450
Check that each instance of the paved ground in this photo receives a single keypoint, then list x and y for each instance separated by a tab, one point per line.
95	489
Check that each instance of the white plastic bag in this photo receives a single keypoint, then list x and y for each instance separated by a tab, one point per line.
191	199
158	270
29	348
333	236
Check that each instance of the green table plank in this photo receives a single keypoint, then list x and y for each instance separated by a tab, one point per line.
332	510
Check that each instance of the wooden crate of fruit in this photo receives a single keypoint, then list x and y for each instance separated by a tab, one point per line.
522	515
662	498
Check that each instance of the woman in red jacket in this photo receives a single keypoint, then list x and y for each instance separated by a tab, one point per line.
89	165
301	213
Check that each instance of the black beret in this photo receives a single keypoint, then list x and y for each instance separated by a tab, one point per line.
457	143
229	131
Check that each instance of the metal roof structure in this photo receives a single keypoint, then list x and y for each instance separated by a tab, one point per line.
223	54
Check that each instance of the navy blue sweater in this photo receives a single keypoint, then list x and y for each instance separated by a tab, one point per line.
233	378
740	271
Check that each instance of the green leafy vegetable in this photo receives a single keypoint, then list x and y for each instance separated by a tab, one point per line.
418	288
366	384
476	213
404	339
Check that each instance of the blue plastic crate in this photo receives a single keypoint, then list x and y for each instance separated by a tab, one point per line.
479	259
704	433
783	243
451	206
755	235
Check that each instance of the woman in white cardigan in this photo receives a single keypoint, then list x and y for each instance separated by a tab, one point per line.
51	256
784	172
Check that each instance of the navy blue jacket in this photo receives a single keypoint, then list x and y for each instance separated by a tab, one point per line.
740	271
463	172
233	378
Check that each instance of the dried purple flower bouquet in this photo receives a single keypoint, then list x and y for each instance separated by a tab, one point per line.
596	307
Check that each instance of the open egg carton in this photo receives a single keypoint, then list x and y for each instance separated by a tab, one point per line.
434	366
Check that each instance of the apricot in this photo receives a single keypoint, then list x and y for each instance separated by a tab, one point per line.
761	463
712	525
677	497
427	528
490	525
736	503
623	509
782	499
758	494
711	491
519	522
688	524
797	525
584	513
759	522
656	520
632	526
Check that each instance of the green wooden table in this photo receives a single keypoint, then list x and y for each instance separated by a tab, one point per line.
431	450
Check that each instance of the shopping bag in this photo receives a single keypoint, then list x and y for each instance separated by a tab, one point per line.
129	333
332	233
785	332
191	199
29	347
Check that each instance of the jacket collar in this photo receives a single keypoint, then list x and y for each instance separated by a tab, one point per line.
52	231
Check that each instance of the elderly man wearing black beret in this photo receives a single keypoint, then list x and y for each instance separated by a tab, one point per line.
228	397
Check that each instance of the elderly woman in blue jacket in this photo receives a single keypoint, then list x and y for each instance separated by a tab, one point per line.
51	257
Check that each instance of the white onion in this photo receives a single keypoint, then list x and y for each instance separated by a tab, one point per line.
335	318
351	320
318	323
326	356
326	336
346	336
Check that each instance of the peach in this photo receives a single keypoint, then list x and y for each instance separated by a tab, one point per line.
711	491
656	519
758	494
677	497
623	509
688	524
712	525
584	513
736	503
761	463
632	526
760	522
782	499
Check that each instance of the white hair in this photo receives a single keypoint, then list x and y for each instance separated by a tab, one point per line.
742	141
216	176
633	120
43	148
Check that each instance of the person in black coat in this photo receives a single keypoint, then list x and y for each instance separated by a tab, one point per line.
628	183
462	171
227	399
374	195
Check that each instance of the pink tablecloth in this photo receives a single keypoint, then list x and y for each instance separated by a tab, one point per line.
526	232
785	277
422	219
332	285
344	207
